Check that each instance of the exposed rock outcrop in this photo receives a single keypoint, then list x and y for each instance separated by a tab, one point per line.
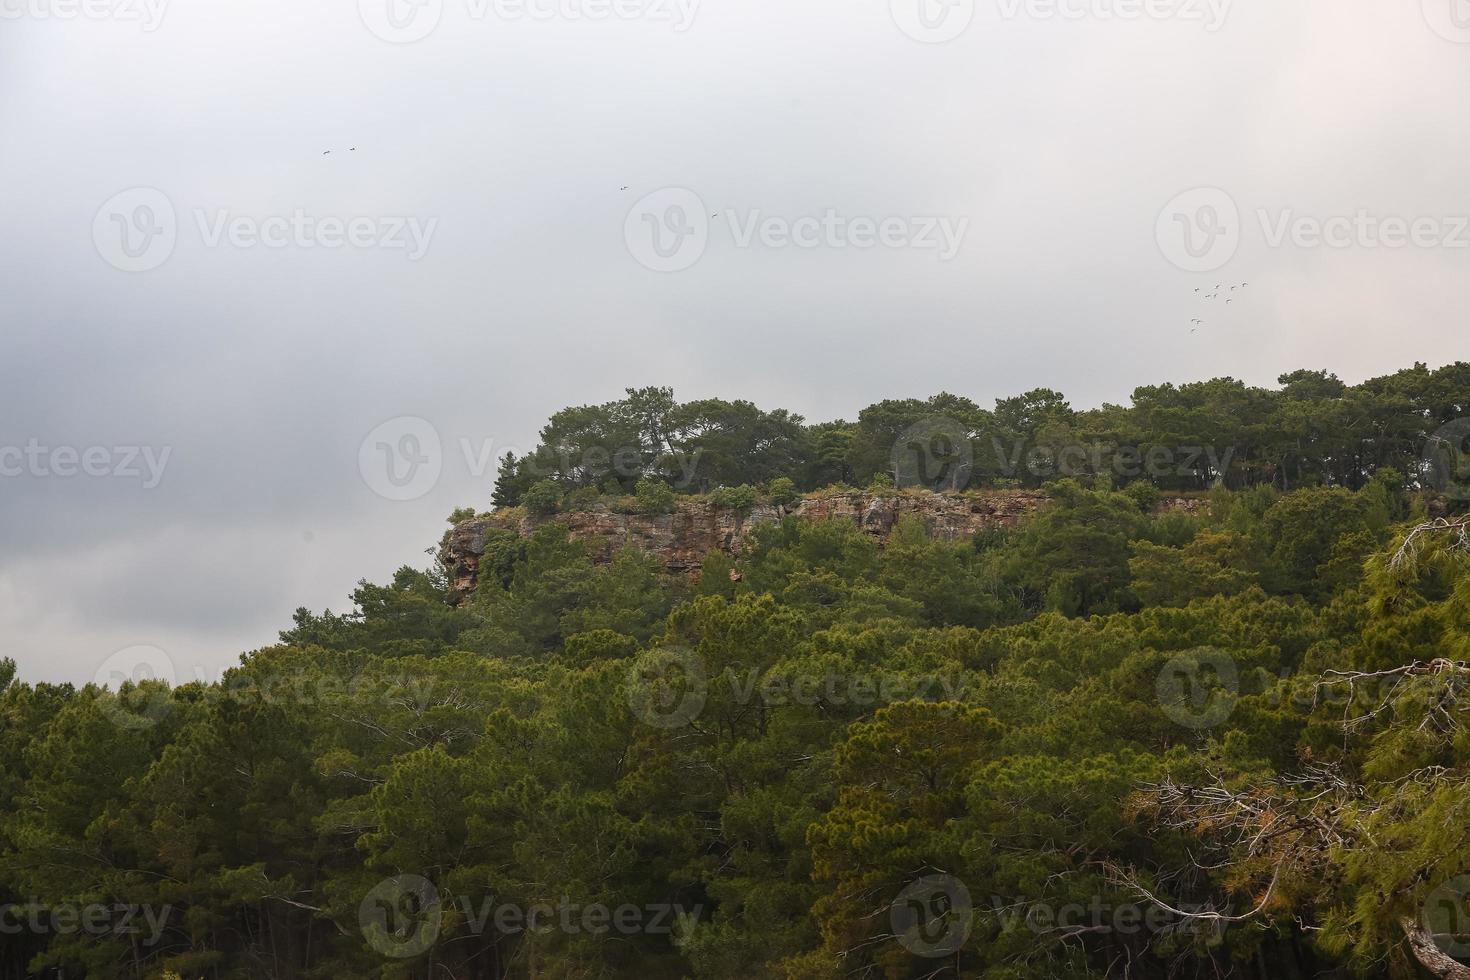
696	527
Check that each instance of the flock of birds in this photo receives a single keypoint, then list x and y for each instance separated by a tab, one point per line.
1219	288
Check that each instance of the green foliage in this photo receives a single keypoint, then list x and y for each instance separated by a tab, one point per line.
1073	558
583	499
819	723
1313	430
783	491
542	498
1214	563
654	496
1142	493
739	499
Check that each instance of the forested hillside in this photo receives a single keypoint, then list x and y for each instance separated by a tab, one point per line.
1108	741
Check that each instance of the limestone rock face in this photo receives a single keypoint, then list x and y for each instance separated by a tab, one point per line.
684	537
1184	505
948	516
695	528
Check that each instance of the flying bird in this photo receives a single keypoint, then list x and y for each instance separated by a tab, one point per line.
325	152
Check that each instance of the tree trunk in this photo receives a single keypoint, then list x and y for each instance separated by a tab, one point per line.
1430	956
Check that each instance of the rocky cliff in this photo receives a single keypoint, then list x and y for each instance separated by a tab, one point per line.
684	537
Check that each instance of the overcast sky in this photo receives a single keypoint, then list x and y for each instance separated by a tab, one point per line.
545	205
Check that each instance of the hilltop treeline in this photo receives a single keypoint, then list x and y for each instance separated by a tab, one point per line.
1312	430
1109	742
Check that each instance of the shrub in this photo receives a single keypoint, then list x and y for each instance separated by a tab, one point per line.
783	491
541	498
739	499
1144	494
654	496
585	498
